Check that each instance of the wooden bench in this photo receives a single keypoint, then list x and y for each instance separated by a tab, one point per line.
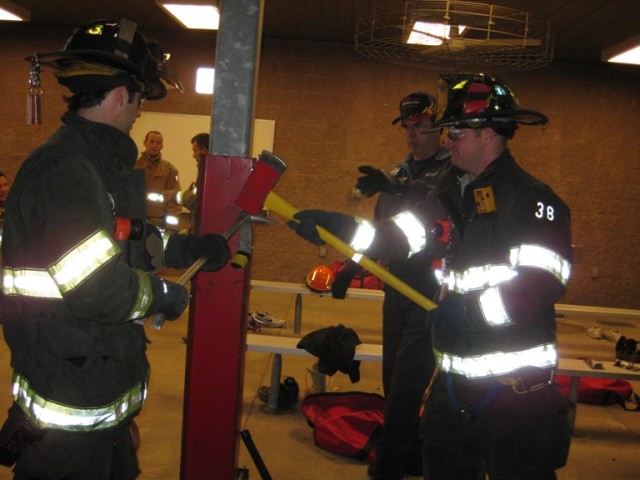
366	352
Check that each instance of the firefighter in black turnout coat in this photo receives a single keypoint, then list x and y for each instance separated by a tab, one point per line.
78	263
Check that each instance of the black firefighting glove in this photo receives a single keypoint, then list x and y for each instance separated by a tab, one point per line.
169	298
341	225
374	181
212	246
183	250
343	279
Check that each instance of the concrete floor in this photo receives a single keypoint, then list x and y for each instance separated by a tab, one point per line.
604	446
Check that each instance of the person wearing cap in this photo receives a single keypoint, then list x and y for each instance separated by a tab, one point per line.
492	407
162	183
78	262
408	361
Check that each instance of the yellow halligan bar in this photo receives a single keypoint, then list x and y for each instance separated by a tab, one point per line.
284	209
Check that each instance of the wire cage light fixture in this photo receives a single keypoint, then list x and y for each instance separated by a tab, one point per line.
452	35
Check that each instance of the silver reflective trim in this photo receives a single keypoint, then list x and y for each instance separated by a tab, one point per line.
541	257
493	309
83	260
477	278
171	220
363	236
179	198
413	229
498	363
155	197
30	283
49	414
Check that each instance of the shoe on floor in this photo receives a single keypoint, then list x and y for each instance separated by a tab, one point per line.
595	332
265	319
612	335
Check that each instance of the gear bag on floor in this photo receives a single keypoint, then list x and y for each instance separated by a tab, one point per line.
346	423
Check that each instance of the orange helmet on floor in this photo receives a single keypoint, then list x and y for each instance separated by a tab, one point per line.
319	279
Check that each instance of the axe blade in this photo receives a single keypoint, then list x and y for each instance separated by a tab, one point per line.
266	172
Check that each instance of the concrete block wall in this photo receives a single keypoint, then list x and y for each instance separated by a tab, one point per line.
333	110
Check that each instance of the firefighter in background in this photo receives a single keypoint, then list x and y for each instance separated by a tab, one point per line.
77	255
162	183
493	406
408	361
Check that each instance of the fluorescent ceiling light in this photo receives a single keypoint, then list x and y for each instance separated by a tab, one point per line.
204	80
202	17
427	33
627	51
12	12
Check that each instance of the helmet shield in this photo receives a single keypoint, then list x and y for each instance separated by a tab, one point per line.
481	101
105	54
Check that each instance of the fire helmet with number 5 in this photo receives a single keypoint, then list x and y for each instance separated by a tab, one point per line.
477	100
105	54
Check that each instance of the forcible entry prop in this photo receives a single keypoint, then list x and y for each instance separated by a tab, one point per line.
284	209
263	177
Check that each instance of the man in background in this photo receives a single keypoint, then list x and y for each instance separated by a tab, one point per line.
162	183
408	361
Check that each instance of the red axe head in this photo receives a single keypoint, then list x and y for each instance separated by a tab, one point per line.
260	182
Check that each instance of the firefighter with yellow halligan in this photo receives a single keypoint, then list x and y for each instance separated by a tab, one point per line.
78	266
492	407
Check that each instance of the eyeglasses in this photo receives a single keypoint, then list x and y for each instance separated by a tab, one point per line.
454	134
141	101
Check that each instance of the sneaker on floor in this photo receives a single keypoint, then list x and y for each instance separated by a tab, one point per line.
265	319
595	332
612	335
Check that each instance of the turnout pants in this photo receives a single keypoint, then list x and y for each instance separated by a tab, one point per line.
489	427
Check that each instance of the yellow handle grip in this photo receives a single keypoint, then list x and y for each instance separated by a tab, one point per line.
284	209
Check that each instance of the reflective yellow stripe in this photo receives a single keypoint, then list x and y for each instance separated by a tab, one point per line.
30	283
493	309
413	229
497	363
363	236
144	297
541	257
80	262
49	414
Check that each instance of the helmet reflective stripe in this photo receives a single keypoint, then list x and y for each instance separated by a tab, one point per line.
363	236
77	265
155	197
541	257
413	229
144	297
30	283
493	309
498	363
49	414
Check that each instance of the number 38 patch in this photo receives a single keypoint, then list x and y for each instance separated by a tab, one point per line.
545	211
